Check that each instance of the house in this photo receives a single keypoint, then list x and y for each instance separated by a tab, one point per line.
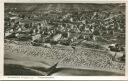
35	37
57	37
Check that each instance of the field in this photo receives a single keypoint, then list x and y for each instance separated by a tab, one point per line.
92	60
43	59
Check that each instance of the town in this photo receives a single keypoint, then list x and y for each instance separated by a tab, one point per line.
76	30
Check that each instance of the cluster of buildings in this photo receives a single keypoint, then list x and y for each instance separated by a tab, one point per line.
68	25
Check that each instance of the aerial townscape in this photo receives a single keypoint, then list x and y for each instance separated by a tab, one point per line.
52	39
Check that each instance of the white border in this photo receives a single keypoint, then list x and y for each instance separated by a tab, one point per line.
56	77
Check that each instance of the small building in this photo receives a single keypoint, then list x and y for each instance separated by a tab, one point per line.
57	37
35	37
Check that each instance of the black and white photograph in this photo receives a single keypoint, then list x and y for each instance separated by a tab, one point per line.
64	39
